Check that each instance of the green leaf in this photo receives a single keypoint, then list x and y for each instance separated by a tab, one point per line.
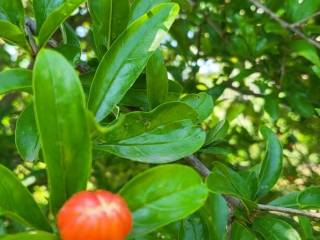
16	202
127	57
235	110
218	132
12	11
162	195
299	10
34	235
240	232
309	198
12	34
15	80
306	228
289	200
109	19
272	164
140	7
43	8
224	180
273	228
271	106
157	80
165	134
201	102
217	212
62	125
70	48
27	138
55	19
306	50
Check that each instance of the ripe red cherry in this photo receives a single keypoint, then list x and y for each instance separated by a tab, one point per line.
98	215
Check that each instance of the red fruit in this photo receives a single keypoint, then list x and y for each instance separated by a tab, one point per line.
98	215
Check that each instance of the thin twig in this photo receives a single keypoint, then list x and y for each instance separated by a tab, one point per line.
301	22
204	171
285	24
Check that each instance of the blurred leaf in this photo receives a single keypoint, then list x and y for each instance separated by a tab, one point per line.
166	134
218	132
34	235
299	10
235	110
162	195
70	48
306	50
121	66
12	34
27	139
43	8
157	80
273	228
300	102
15	80
16	202
309	198
12	11
224	180
224	151
109	20
289	200
271	106
306	228
240	232
272	164
61	118
55	19
202	103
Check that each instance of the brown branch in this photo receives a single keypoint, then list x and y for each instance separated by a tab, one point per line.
204	171
285	24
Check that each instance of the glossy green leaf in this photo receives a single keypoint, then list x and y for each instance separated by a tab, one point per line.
34	235
62	125
224	180
43	8
162	195
240	232
15	80
109	20
272	164
27	138
55	19
12	11
166	134
127	57
216	210
309	198
157	80
140	7
218	132
16	202
12	34
273	228
289	200
201	102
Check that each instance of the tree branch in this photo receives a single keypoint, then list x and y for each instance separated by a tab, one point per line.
204	171
285	24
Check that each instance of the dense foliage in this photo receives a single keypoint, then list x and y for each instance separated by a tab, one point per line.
203	115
